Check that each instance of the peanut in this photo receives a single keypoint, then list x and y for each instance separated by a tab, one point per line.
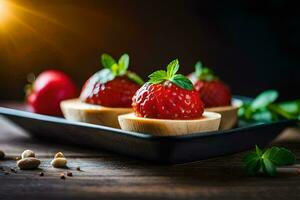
27	154
59	162
2	154
59	155
28	163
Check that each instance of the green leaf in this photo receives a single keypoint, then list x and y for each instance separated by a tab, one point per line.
204	73
264	99
277	110
280	156
182	81
263	116
170	75
292	107
158	76
123	64
134	77
198	69
172	68
288	110
115	69
258	151
268	167
253	166
245	112
107	61
266	162
252	163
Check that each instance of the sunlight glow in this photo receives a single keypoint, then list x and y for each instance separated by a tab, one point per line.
20	25
3	10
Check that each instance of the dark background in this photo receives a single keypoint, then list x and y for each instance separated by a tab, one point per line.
252	45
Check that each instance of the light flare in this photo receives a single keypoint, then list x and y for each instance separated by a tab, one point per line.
4	10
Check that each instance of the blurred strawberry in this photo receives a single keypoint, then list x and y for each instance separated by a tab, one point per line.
212	91
48	90
113	86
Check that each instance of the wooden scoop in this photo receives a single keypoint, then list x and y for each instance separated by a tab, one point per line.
167	127
76	110
228	113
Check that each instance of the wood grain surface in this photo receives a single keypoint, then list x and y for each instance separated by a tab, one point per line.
108	176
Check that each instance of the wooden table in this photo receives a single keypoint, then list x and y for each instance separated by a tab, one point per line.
109	176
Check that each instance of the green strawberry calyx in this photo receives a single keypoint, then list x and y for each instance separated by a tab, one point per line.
113	69
204	73
180	80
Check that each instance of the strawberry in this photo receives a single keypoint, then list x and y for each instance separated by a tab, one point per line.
212	91
48	90
112	86
168	95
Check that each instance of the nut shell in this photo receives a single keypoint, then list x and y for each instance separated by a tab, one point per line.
59	155
59	162
28	153
28	163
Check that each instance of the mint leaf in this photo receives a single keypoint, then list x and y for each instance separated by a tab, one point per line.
263	108
267	161
115	69
119	68
204	73
288	110
158	76
280	156
182	81
263	116
291	107
268	167
123	64
264	99
107	61
252	163
258	151
172	68
198	69
134	77
170	75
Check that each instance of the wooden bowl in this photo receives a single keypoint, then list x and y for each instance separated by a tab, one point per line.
76	110
229	114
168	127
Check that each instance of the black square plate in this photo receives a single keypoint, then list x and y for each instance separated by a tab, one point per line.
163	149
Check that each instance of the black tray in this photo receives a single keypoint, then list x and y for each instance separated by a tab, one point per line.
163	149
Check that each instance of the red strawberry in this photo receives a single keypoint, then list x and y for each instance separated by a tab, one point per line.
113	86
168	95
213	92
115	93
48	90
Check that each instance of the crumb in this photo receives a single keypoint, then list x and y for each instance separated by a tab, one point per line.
69	174
78	169
62	176
13	170
41	174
